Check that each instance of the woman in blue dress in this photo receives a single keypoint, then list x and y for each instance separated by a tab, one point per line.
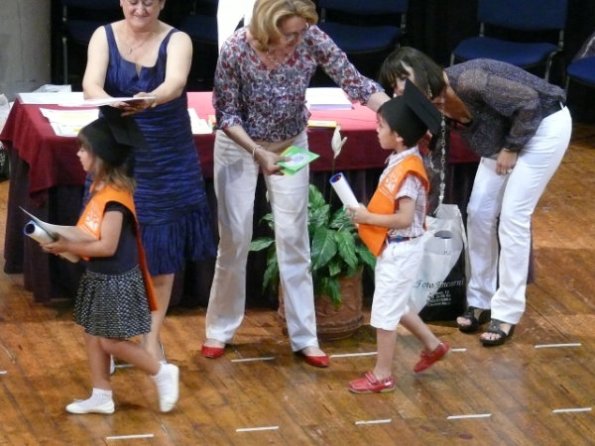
144	57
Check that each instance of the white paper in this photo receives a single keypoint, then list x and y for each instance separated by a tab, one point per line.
44	232
337	141
69	122
343	190
199	126
97	102
327	98
50	98
38	234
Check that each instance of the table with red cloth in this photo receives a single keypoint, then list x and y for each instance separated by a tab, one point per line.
47	179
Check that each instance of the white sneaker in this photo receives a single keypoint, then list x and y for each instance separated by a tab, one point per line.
87	406
168	386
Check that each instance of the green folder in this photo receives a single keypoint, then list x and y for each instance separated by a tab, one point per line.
297	159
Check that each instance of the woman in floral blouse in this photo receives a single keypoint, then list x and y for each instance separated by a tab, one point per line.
259	97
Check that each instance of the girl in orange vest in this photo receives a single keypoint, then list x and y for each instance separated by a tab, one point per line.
391	226
115	297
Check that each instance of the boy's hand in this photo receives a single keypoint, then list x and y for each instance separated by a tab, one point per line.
358	214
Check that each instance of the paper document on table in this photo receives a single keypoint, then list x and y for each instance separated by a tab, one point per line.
50	97
343	190
69	122
199	126
43	232
327	98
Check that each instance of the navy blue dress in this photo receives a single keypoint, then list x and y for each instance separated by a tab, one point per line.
170	197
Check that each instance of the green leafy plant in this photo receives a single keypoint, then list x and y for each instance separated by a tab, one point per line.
335	248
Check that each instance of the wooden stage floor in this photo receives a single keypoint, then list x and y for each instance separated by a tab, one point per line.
517	394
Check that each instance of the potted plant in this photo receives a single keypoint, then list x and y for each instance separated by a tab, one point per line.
337	259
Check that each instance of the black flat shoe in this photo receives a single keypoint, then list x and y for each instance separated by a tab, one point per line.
495	328
475	322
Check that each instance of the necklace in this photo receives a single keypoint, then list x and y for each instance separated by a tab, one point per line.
132	48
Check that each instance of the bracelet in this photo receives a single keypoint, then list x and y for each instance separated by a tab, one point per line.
254	149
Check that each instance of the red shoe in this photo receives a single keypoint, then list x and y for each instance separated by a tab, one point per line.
317	361
427	359
368	383
212	352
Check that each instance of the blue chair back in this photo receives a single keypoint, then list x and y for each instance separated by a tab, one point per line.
366	6
526	15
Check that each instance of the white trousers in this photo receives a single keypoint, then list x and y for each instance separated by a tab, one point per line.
499	251
235	177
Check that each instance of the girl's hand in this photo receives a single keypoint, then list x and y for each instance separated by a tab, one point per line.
56	247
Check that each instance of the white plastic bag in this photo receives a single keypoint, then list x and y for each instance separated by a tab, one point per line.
444	241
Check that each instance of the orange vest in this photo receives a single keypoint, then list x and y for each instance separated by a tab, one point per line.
90	222
383	201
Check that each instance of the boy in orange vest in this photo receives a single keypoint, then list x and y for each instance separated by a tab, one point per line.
391	226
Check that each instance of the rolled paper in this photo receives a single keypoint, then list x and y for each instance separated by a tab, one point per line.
40	235
37	233
343	190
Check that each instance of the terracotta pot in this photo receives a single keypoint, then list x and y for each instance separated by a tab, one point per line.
332	322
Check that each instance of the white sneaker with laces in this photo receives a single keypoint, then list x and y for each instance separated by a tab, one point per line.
168	386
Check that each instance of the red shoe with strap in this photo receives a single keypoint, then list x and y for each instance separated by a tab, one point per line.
427	359
368	383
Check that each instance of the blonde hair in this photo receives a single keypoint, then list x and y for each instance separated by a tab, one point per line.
269	14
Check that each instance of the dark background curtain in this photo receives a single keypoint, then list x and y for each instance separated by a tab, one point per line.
434	26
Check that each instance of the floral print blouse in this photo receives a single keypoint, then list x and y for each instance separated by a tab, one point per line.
270	104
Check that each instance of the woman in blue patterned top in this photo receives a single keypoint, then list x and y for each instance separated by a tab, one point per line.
518	124
259	97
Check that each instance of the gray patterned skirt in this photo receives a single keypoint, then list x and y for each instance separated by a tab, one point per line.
113	305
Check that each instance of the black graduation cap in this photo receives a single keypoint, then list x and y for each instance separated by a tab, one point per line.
113	136
411	115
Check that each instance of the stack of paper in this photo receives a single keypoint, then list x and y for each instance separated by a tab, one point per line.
69	122
327	98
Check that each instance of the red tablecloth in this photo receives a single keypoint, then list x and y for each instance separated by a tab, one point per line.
46	178
53	162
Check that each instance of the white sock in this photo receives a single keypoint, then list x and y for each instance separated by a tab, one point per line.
163	372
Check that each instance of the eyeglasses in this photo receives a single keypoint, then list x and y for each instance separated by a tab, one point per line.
295	36
145	3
